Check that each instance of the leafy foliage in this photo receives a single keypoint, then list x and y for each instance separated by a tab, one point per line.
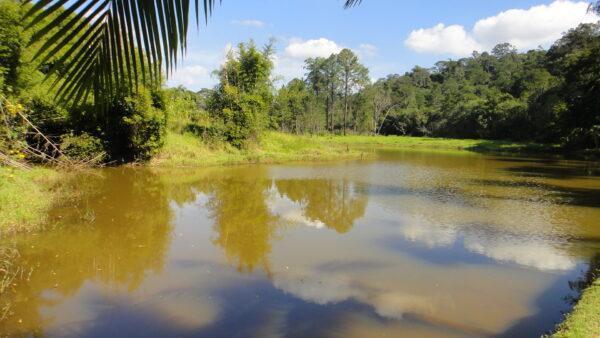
241	101
136	129
83	147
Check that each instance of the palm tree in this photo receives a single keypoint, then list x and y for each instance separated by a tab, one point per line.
107	46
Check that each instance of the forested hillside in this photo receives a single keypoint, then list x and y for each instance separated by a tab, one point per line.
545	96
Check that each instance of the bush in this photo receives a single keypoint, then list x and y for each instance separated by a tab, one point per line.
83	147
136	127
240	104
241	116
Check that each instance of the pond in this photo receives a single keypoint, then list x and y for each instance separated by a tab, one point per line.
419	244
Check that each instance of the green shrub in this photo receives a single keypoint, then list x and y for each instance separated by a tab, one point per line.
83	147
240	104
48	116
185	110
241	116
135	127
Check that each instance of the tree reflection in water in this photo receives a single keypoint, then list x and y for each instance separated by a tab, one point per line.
117	232
245	224
335	203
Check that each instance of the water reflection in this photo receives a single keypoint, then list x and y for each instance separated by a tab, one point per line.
118	233
409	244
248	208
244	226
336	204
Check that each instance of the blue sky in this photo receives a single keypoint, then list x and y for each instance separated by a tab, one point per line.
390	36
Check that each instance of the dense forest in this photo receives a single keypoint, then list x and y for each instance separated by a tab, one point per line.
549	96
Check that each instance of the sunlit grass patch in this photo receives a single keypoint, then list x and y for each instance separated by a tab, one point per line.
584	320
438	143
273	147
25	197
183	150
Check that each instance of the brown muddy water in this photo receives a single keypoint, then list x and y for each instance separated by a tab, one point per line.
416	244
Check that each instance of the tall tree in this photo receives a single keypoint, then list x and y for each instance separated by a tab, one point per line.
354	76
576	58
332	78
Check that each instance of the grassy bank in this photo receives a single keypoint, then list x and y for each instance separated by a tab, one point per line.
584	320
188	150
439	143
25	197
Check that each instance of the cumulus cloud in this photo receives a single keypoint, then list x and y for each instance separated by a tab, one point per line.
524	28
190	76
442	39
196	71
249	23
322	47
289	64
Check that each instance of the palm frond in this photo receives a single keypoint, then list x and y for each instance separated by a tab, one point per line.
105	47
351	3
102	47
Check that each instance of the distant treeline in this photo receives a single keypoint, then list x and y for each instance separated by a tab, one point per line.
545	96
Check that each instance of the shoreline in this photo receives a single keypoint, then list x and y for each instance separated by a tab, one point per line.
31	193
584	318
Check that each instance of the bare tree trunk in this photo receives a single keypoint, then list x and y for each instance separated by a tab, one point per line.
331	103
345	101
327	113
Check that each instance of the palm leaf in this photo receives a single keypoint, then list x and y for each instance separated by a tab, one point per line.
106	47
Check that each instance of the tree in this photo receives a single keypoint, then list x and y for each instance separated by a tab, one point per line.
11	44
241	102
321	77
291	103
576	58
354	76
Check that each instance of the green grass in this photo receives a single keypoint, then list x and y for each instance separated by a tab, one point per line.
440	143
189	151
584	320
273	147
25	197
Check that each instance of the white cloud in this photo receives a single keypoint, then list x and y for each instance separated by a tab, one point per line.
441	39
538	25
322	47
367	50
196	71
290	211
525	28
289	64
190	76
249	23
